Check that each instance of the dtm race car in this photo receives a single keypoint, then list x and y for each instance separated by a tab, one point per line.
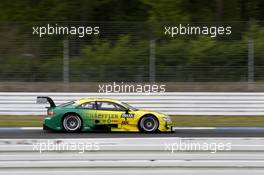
93	114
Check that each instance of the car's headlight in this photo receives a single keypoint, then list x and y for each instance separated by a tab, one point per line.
166	118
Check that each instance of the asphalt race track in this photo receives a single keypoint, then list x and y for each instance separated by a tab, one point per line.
15	133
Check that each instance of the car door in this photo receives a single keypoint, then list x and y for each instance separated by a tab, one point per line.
110	113
88	113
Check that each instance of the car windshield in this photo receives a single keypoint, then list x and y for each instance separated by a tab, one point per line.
129	106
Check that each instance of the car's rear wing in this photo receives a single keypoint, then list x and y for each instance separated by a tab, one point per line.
43	100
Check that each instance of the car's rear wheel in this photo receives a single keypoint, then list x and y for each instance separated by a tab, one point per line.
72	123
148	124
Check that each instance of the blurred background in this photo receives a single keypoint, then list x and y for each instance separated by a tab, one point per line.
131	46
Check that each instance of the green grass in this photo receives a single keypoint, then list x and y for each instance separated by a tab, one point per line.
199	121
20	121
217	121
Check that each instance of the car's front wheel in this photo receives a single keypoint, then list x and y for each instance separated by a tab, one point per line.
72	123
148	124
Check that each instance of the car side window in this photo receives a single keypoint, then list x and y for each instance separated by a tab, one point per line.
89	105
104	105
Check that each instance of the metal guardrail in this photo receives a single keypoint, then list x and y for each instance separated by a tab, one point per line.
128	155
174	103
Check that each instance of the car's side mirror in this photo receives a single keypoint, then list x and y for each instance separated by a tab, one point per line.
127	111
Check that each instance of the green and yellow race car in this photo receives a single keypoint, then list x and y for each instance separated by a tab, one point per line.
96	114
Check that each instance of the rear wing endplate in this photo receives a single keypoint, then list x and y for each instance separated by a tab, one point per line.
44	100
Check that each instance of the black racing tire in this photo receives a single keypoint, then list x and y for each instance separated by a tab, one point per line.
72	123
148	124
